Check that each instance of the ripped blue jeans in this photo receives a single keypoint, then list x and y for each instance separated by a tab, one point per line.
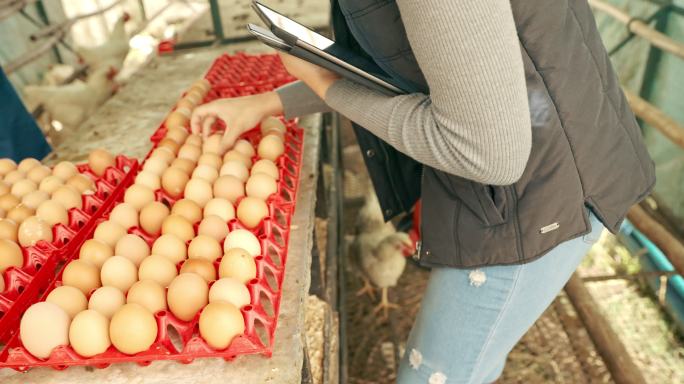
470	320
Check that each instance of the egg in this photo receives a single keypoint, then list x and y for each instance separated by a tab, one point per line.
205	172
7	166
27	164
166	152
44	326
204	247
65	170
238	264
170	247
52	213
199	191
176	119
185	103
177	134
133	248
220	323
133	329
125	215
212	144
201	267
20	213
190	152
245	147
188	209
8	201
195	140
272	122
8	230
38	173
82	183
23	187
242	238
119	272
68	196
95	252
234	155
158	269
34	199
251	211
107	300
229	187
211	159
174	180
231	291
235	168
138	196
194	97
221	208
2	283
109	232
50	184
186	165
148	179
5	188
155	165
14	176
89	333
99	160
188	293
271	147
202	83
213	226
261	186
148	294
10	255
33	230
179	226
152	216
69	298
82	275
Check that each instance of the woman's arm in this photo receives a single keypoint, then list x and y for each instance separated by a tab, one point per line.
299	100
475	123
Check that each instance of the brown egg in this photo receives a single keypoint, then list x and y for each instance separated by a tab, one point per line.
186	165
199	191
23	187
212	144
89	333
188	293
213	226
187	209
119	272
8	230
194	97
68	196
82	183
7	166
235	168
99	160
205	172
238	264
204	247
158	269
271	123
14	176
5	188
173	181
10	255
107	300
231	291
251	211
138	196
220	323
221	208
50	184
156	165
271	147
177	134
33	230
185	103
52	212
149	294
20	213
34	199
95	252
201	267
124	214
229	187
261	186
176	119
245	147
190	152
234	155
133	248
109	232
202	83
149	180
133	329
242	238
8	201
65	170
195	140
170	145
69	298
82	275
179	226
210	159
44	326
37	174
165	153
170	247
152	216
27	164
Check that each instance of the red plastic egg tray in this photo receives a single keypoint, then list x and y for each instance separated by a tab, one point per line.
251	70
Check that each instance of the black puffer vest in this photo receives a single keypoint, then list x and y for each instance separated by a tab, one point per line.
587	149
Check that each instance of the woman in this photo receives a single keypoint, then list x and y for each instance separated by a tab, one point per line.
527	149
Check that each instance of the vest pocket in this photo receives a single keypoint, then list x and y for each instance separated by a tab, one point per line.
489	203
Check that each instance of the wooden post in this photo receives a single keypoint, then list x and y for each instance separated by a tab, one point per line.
656	118
658	234
608	344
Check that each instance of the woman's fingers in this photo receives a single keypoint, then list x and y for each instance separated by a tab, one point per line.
230	136
198	116
207	123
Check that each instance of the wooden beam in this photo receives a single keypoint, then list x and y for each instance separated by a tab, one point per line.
608	344
659	235
656	118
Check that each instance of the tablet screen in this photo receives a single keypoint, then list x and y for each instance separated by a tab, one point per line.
301	32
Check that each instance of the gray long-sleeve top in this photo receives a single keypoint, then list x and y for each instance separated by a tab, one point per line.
475	123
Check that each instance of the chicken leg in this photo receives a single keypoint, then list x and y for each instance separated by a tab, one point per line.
367	289
385	305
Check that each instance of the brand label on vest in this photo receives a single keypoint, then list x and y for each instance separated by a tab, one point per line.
549	228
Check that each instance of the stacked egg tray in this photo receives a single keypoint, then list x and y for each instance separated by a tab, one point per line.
24	285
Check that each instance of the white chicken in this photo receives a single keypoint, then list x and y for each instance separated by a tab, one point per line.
379	250
72	103
110	54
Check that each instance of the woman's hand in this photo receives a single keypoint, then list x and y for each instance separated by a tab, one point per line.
240	114
317	78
